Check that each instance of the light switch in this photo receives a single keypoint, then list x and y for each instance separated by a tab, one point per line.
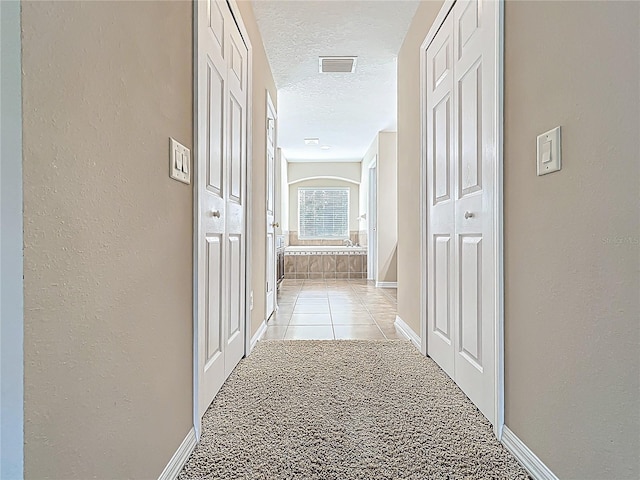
185	165
179	162
546	152
549	152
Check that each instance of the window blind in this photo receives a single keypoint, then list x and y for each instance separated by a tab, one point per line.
323	213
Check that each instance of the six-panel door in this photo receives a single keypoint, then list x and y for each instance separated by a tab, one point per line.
270	279
461	163
221	157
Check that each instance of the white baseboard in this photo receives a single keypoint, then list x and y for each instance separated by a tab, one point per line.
528	459
175	465
387	284
258	335
408	332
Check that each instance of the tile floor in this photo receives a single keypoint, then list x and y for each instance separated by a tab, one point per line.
333	310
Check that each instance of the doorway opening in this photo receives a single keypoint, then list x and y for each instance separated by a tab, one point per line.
336	134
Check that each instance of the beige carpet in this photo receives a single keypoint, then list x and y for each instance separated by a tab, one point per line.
345	410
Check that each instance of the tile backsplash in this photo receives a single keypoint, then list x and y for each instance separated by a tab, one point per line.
364	238
354	235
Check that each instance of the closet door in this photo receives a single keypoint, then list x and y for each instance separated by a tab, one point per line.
221	171
476	162
462	161
236	171
271	224
440	195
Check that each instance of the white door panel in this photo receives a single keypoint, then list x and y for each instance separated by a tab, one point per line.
221	172
470	291
461	162
440	185
212	350
270	270
477	162
234	331
235	150
214	135
237	58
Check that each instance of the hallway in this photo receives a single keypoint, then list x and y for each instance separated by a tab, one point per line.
166	163
333	310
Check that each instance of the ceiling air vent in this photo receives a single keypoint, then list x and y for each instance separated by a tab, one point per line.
338	64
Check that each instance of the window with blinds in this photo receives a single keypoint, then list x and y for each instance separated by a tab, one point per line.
323	213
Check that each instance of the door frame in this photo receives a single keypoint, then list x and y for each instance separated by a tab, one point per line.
11	247
372	237
271	110
235	11
498	245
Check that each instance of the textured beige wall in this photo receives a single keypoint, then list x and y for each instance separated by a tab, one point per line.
387	207
301	170
572	238
409	164
262	81
108	237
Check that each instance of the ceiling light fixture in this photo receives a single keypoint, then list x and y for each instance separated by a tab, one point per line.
311	141
325	147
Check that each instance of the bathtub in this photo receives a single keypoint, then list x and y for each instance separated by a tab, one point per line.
325	262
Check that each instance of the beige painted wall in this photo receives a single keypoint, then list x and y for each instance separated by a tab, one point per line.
353	200
283	188
387	207
572	238
302	170
262	81
572	276
409	164
383	151
107	237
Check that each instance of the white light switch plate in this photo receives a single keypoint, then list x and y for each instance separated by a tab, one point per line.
549	152
179	162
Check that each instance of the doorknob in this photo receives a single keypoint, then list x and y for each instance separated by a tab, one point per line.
275	224
215	213
468	214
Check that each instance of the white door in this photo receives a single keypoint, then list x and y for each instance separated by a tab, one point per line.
461	164
221	182
271	191
372	223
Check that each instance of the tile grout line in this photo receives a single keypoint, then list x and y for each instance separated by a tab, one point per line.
356	293
333	330
374	318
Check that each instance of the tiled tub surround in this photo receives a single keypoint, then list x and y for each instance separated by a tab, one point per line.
363	238
294	240
324	262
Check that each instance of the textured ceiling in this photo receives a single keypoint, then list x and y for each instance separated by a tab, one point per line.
344	110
